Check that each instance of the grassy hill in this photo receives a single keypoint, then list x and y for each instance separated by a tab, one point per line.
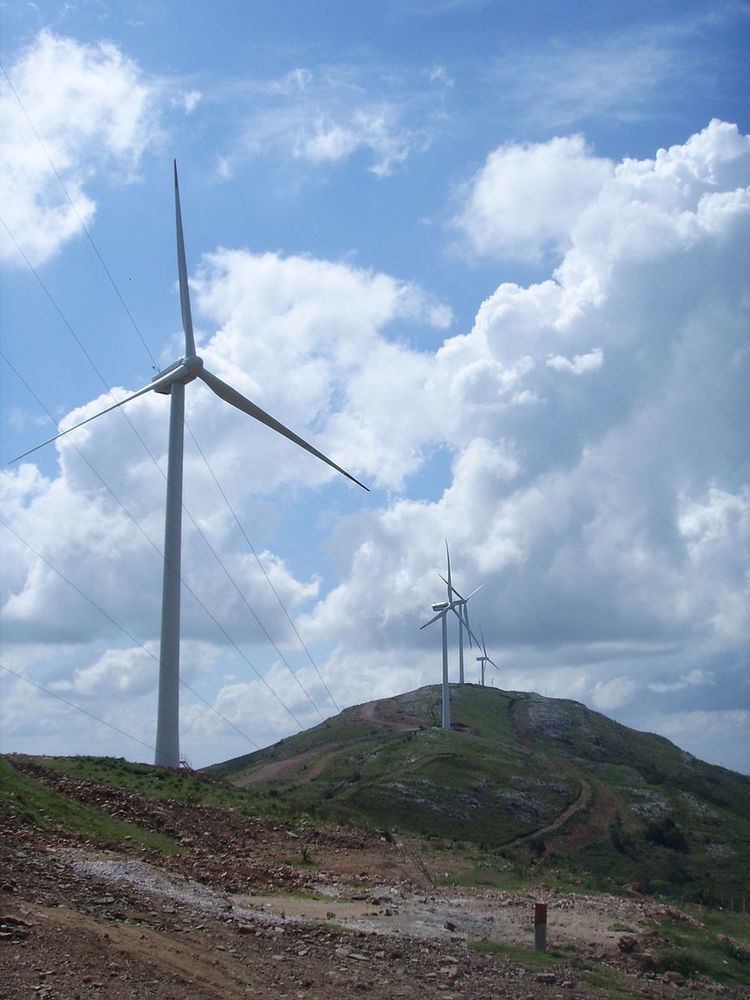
519	772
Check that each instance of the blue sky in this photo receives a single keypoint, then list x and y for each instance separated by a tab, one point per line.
491	257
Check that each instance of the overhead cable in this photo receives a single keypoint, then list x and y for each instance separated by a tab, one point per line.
262	568
78	215
124	631
153	459
78	708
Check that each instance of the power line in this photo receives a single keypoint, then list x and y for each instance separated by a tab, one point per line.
78	708
148	351
124	631
153	459
262	567
242	596
145	345
78	215
73	334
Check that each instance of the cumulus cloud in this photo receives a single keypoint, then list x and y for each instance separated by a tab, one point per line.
579	364
93	108
526	197
582	446
608	514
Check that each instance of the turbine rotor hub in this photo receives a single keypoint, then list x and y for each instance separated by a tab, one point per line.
185	370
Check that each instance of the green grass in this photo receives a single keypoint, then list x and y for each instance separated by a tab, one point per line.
459	786
154	782
709	951
538	961
50	810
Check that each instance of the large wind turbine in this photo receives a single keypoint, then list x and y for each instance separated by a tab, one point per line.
171	382
461	610
484	659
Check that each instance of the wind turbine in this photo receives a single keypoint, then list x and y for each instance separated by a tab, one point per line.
442	608
484	659
171	381
461	610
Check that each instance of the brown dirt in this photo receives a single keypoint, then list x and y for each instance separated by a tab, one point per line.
588	819
395	721
238	914
303	767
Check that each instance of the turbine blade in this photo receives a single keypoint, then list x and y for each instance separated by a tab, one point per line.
451	586
468	627
230	395
165	379
448	555
484	645
472	636
438	615
187	318
476	590
493	664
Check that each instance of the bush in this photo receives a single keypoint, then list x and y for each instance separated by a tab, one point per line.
665	833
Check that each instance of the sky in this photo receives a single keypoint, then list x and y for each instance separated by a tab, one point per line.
490	257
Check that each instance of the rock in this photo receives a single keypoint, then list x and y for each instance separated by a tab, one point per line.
627	943
673	977
546	977
449	925
636	889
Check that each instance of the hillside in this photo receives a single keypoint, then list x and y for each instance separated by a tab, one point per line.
127	880
519	771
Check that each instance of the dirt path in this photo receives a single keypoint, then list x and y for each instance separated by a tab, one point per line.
303	767
398	722
582	802
596	807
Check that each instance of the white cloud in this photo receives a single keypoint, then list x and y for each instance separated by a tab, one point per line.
606	515
579	364
188	100
326	116
695	678
93	109
610	695
526	198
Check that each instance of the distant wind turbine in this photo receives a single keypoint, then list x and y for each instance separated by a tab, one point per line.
442	608
171	382
484	659
461	610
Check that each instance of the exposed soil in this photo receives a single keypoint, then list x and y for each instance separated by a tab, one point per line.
253	908
395	722
302	767
585	821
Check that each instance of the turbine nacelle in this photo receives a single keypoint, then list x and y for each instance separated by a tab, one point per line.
184	371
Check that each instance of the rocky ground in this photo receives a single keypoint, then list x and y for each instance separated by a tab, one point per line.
255	908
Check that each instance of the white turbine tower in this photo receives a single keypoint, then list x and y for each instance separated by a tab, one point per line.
171	382
484	659
442	608
461	610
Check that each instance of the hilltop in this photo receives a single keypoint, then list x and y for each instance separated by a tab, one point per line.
520	770
300	878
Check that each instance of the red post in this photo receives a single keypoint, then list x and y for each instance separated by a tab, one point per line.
540	926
